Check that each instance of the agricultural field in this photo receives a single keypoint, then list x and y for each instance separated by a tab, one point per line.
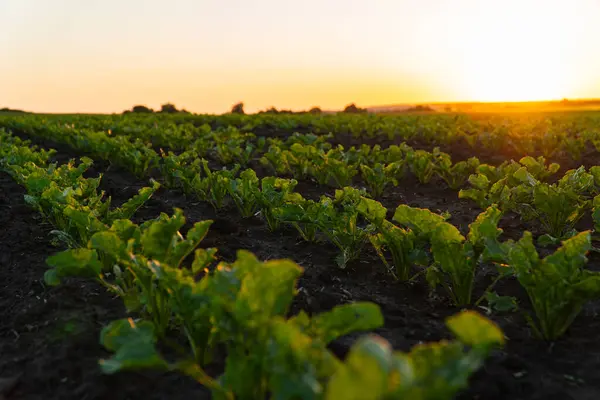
300	256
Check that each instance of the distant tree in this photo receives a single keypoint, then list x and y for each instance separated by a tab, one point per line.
315	110
168	108
352	109
420	108
142	109
11	110
271	110
238	108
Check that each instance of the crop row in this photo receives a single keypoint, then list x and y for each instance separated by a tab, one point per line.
188	311
521	134
517	187
415	237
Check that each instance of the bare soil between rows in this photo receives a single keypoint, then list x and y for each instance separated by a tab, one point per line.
49	336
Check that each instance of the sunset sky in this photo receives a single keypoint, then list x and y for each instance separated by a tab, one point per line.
205	55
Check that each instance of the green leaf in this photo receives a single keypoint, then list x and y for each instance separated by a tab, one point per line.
572	255
202	259
129	208
193	238
133	344
485	228
51	278
108	243
296	364
421	220
373	210
345	319
547	240
501	303
268	291
85	219
75	262
479	181
474	330
158	236
365	374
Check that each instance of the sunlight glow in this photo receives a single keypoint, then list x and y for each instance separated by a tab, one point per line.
520	51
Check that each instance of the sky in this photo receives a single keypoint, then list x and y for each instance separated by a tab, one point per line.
206	55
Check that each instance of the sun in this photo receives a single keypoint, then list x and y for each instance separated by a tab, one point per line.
516	54
530	79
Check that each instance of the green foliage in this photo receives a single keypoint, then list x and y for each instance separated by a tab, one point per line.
422	165
378	177
303	215
456	258
557	285
71	202
557	207
244	191
429	371
133	344
455	175
188	310
274	193
401	243
537	167
484	192
215	186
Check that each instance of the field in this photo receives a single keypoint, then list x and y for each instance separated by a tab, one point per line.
254	256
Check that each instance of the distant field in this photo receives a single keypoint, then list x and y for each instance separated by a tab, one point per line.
541	106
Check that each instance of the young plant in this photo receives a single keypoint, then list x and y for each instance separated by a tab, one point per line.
274	193
537	167
401	243
456	258
215	186
558	286
430	371
378	177
422	165
337	219
455	175
130	253
340	224
73	203
243	308
557	207
302	214
341	172
244	191
484	192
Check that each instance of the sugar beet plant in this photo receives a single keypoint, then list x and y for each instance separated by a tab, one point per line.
558	285
73	204
558	207
337	218
243	305
402	244
455	256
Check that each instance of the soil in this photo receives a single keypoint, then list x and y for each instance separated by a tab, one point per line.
49	336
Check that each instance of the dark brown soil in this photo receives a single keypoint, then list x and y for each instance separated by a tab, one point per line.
50	336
